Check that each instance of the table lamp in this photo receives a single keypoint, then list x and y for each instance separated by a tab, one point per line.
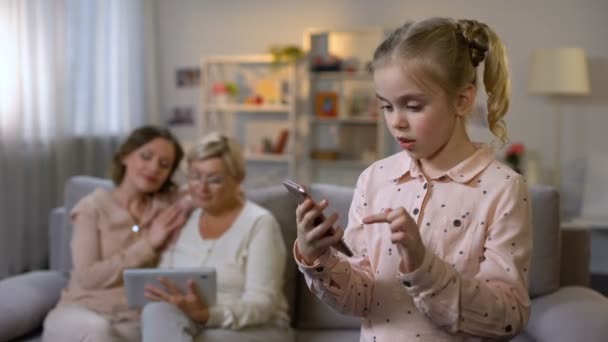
559	73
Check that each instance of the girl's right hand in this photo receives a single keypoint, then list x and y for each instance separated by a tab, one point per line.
314	240
167	222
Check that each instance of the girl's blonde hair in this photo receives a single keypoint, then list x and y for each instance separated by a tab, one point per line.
448	53
217	145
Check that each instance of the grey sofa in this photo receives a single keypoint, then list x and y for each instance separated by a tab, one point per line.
563	308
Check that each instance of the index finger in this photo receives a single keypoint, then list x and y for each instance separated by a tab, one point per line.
376	218
165	214
309	205
178	220
303	207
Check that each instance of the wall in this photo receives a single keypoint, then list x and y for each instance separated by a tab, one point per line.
189	29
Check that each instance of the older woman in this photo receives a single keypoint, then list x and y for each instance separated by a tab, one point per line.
117	229
241	240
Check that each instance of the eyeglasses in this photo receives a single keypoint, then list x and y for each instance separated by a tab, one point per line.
196	179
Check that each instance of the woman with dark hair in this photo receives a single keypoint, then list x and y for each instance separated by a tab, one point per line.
125	227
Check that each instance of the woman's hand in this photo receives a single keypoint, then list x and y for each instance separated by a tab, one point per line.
405	234
315	239
191	303
166	224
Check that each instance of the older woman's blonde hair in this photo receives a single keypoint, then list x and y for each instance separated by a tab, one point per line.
218	145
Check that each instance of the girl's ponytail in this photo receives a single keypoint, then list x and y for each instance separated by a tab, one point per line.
486	46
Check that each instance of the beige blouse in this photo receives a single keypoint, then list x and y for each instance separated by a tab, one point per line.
103	245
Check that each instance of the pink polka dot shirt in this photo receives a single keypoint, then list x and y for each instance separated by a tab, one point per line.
473	282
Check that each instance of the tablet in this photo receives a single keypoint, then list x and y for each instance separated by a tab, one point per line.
136	279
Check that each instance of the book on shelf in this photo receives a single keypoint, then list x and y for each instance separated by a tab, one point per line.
281	142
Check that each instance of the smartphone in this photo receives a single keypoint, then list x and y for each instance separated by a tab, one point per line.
301	194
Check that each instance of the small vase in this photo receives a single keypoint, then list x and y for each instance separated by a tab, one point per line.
514	162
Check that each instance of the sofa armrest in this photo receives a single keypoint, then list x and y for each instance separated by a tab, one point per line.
569	314
26	299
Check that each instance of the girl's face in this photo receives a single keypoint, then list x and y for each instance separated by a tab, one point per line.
211	187
422	121
148	167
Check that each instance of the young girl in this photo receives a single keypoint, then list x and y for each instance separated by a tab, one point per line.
441	231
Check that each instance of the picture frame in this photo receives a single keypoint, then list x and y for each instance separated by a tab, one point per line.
360	100
187	77
181	116
326	104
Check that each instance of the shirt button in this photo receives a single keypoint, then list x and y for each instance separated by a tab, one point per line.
426	185
416	211
406	283
319	269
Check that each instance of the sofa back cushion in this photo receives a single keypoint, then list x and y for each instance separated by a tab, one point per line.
276	200
311	312
306	310
545	269
75	189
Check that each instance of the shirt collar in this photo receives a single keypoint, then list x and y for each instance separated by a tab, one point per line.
469	168
401	164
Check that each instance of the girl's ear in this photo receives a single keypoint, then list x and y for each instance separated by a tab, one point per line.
465	100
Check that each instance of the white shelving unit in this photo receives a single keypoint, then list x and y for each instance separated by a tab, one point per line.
339	146
253	123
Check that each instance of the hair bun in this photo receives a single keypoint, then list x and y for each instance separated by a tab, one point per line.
476	36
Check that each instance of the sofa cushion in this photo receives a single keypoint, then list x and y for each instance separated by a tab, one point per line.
339	199
569	314
59	241
25	300
276	200
312	313
545	268
79	186
74	190
306	310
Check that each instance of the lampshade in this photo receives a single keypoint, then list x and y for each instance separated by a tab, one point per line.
559	71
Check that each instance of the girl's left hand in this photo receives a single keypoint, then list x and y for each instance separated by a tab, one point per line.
405	234
191	303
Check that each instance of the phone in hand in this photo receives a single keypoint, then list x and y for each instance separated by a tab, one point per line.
301	194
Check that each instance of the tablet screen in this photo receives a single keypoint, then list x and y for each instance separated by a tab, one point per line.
136	279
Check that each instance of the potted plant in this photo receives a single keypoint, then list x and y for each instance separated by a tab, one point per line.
514	156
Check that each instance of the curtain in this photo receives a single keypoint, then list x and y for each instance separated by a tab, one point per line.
75	78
